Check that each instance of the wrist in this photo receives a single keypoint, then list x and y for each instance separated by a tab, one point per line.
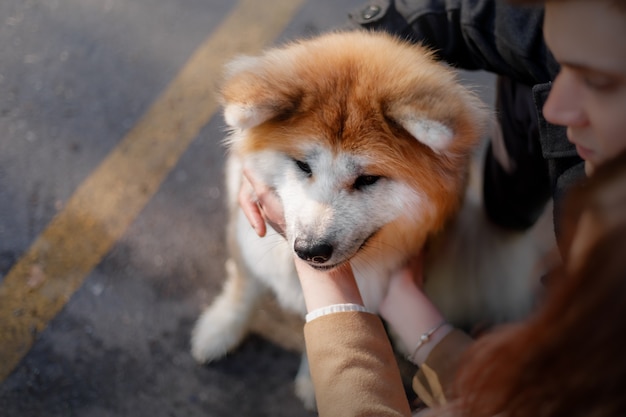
411	314
427	341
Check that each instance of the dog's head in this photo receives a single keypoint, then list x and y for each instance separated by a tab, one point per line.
366	139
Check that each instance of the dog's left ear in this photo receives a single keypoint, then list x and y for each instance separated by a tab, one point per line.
431	133
251	96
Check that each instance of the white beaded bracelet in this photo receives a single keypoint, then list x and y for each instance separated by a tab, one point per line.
424	338
335	308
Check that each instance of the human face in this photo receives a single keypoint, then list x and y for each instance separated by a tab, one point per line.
589	94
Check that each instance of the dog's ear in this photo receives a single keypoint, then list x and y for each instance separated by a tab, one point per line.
431	133
244	115
446	120
251	95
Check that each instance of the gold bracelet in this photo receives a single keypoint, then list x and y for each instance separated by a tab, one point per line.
424	338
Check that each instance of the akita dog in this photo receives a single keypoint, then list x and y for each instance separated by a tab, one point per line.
367	141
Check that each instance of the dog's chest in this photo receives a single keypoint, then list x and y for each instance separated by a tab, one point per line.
270	260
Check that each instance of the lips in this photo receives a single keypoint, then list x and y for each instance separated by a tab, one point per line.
584	153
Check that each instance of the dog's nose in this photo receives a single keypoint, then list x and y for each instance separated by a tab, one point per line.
313	252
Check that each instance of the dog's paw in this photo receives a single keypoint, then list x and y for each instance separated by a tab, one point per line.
223	325
214	334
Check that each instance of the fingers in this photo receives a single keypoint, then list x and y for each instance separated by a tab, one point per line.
415	267
261	205
324	288
249	204
412	273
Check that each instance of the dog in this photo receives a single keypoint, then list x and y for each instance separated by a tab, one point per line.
367	141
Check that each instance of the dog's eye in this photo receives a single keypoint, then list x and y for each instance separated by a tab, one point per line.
365	181
306	168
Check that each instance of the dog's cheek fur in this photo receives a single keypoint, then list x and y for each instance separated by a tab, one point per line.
270	166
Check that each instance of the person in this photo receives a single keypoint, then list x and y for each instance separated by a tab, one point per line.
587	97
567	358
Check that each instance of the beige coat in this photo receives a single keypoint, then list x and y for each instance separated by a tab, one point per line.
355	373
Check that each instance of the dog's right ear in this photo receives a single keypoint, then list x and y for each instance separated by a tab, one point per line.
251	96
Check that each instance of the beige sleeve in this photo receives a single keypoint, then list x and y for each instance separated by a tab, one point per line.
433	381
353	367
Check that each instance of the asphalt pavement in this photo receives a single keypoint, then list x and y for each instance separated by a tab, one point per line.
111	207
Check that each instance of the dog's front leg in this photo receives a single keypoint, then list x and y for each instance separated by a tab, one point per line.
222	326
304	385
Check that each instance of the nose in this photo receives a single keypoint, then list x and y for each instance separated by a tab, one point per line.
316	252
564	106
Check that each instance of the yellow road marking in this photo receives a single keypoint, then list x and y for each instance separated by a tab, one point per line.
107	202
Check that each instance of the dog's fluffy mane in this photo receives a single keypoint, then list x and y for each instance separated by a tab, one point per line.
333	89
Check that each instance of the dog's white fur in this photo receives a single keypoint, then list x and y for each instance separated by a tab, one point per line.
377	226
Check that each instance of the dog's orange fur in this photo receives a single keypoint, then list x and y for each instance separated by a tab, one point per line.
334	90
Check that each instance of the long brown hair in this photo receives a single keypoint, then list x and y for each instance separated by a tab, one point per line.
569	359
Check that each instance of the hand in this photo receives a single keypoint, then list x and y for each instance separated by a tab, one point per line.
409	311
405	287
406	281
260	204
324	288
415	268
